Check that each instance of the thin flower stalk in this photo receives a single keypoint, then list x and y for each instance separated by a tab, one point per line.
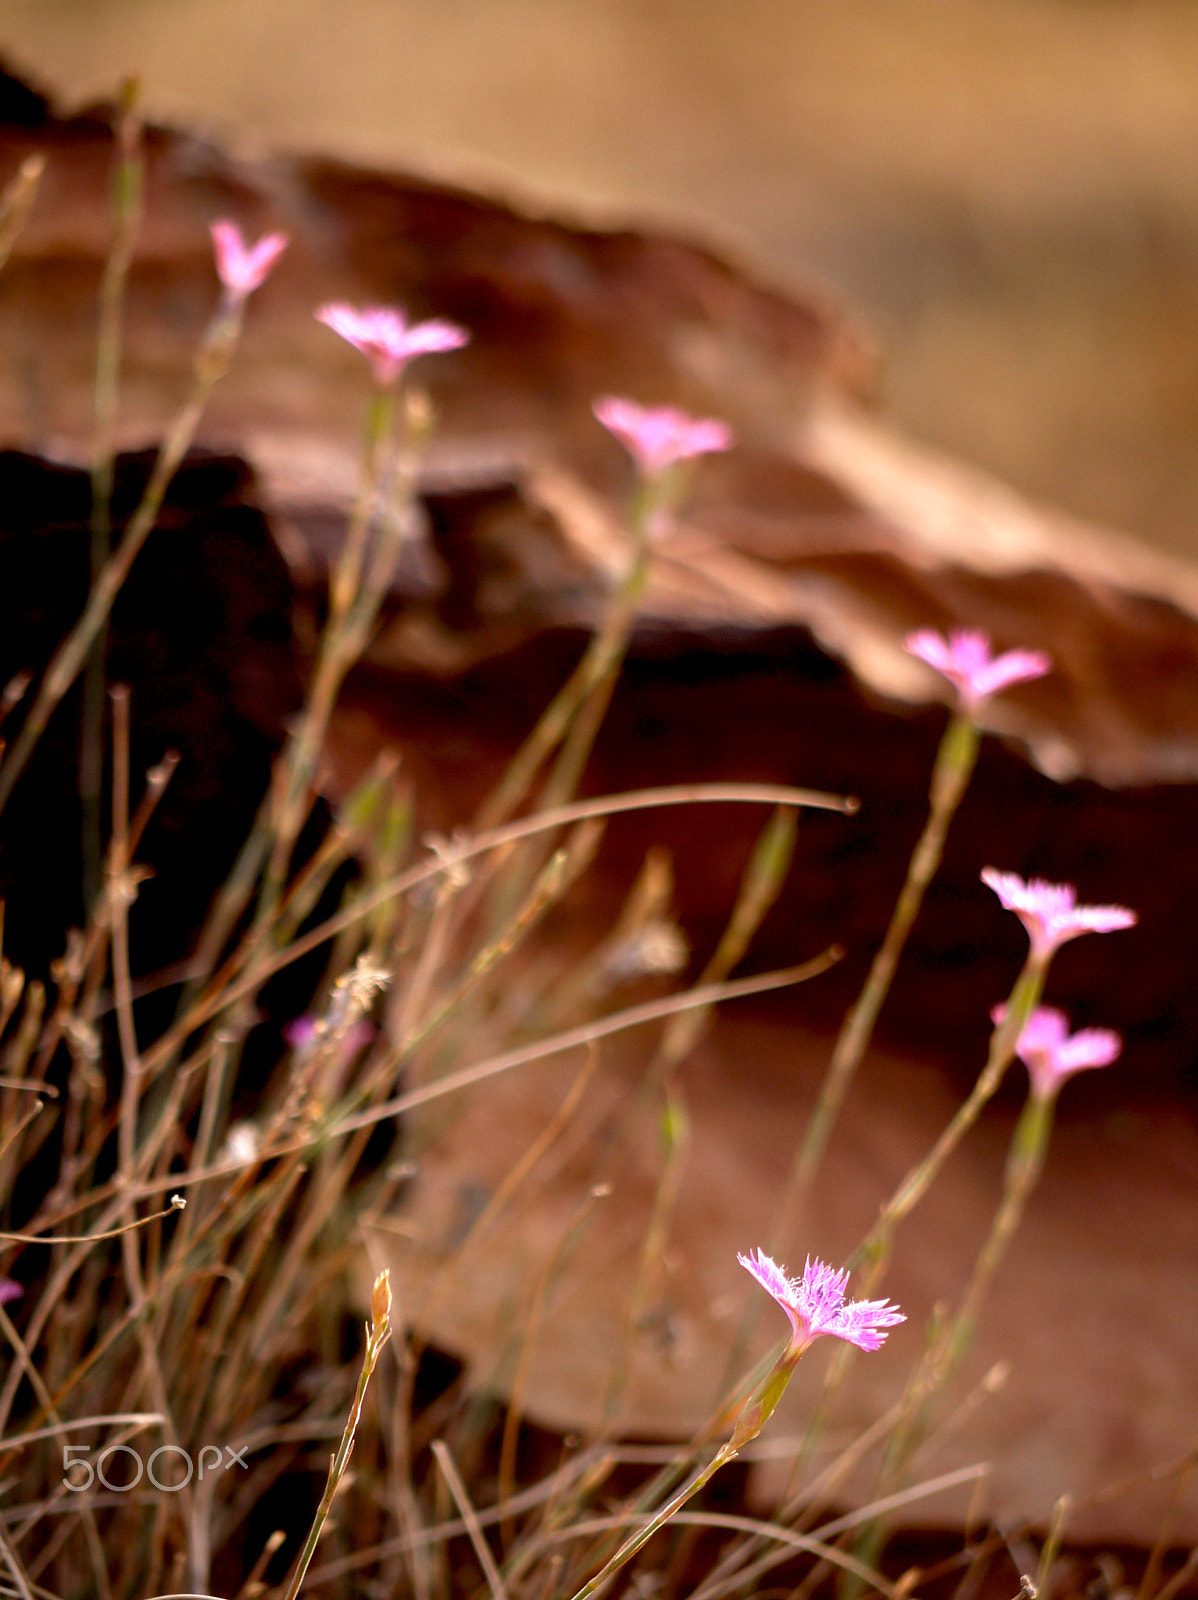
573	717
1039	1035
1052	1055
764	875
815	1307
387	488
954	767
589	685
17	202
1051	915
212	362
127	184
378	1331
965	660
1025	996
337	648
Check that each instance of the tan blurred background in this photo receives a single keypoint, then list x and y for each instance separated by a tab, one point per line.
1005	190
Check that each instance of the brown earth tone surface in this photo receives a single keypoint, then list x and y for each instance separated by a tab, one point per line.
770	648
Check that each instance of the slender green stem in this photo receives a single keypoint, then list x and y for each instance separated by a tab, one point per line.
17	203
955	762
576	712
1025	996
211	364
126	205
756	1412
951	774
642	1536
950	1342
344	636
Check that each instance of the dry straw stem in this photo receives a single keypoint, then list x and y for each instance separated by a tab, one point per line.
378	1331
466	1511
227	988
517	1389
585	1035
767	1532
177	1204
449	1272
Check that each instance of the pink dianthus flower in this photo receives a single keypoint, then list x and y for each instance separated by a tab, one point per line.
1052	1054
658	437
387	339
964	659
816	1305
243	268
1050	912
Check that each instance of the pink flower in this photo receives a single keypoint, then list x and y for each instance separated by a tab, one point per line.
964	659
1051	1053
815	1304
242	268
1050	913
387	339
304	1030
656	439
10	1289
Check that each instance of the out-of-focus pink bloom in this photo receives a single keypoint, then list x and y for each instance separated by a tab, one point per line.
657	438
303	1030
1051	1053
387	339
10	1289
1050	912
965	660
815	1304
243	268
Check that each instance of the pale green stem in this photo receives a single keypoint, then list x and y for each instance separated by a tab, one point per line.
212	363
752	1419
1025	996
576	711
955	762
875	1248
344	635
951	773
17	202
1025	1164
126	206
